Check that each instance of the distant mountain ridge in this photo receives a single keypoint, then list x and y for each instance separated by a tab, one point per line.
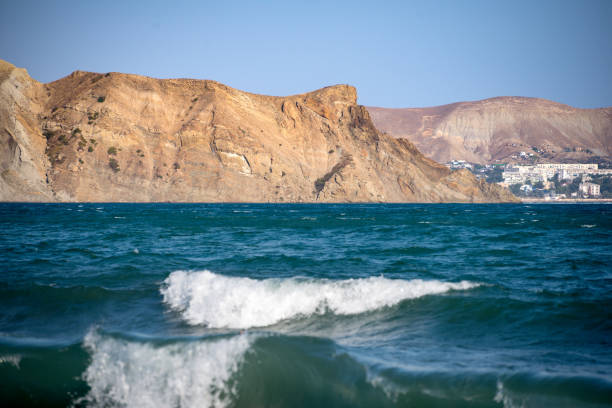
495	129
128	138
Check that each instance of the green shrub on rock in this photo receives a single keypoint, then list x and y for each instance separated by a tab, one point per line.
114	164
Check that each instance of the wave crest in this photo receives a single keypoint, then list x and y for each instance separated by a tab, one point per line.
205	298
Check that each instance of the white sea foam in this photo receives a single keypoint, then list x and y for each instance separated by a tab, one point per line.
221	301
186	374
501	397
509	399
530	399
12	359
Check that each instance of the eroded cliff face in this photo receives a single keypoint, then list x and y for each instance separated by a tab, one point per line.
495	129
119	137
23	162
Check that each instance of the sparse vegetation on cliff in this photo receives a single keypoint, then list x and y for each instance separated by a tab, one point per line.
54	153
113	164
82	143
92	116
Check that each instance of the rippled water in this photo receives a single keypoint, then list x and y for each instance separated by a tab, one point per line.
305	305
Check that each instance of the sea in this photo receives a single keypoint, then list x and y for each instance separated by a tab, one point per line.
298	305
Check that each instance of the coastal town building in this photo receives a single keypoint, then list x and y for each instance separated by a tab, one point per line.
459	164
543	172
589	189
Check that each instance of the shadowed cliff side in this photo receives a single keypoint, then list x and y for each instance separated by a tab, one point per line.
119	137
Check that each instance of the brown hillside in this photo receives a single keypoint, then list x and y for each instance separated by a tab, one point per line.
495	129
119	137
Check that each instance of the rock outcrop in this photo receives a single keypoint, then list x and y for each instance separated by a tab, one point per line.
495	129
119	137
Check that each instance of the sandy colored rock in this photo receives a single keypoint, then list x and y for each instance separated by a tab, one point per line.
494	129
119	137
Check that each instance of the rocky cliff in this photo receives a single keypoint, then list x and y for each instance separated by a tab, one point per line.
495	129
119	137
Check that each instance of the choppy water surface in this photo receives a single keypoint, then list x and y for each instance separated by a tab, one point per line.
166	305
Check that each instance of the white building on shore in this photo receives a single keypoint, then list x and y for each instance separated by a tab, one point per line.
589	189
546	171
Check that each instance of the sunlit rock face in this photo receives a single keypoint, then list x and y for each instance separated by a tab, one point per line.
119	137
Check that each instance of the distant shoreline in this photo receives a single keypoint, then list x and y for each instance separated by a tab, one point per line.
567	200
524	201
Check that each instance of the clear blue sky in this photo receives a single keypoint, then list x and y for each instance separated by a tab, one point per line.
397	53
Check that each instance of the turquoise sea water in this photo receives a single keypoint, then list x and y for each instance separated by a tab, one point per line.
176	305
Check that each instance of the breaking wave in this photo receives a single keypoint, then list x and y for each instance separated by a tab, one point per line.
206	298
184	374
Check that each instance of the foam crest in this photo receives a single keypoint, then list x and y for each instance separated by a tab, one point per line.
232	302
186	374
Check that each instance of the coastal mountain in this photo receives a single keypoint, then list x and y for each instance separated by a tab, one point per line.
496	129
124	138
